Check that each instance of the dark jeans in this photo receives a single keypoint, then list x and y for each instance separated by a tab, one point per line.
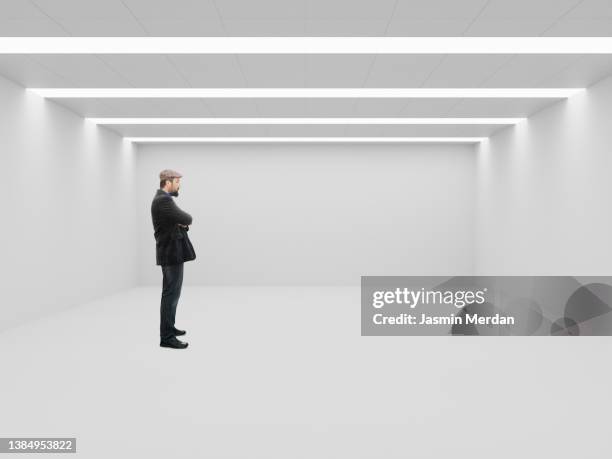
171	291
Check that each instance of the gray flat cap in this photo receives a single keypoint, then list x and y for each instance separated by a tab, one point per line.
169	174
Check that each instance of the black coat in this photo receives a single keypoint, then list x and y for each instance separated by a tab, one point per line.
172	243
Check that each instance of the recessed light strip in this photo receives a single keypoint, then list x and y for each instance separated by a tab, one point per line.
306	45
63	93
303	121
305	139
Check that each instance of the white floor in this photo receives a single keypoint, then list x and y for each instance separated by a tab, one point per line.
284	373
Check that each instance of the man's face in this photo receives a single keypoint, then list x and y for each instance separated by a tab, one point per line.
175	185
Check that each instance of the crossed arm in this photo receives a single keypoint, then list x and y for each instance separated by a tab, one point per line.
172	213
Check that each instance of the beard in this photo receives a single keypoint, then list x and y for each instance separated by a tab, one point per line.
174	193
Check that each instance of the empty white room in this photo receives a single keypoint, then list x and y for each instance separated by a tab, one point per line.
306	229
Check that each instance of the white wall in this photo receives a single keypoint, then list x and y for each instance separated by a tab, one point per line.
544	191
67	233
315	213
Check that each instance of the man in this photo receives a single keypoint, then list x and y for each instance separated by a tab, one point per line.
173	248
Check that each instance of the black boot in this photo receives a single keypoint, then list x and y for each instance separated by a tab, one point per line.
174	343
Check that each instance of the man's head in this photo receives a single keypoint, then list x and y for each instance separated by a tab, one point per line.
170	181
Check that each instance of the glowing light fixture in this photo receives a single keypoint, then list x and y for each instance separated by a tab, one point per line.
395	93
303	121
305	139
305	45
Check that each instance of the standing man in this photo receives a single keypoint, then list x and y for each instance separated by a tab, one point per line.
173	248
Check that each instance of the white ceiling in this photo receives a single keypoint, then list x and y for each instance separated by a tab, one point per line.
305	18
282	70
479	130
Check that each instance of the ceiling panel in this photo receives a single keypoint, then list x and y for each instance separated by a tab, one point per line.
600	27
262	9
209	70
21	18
329	107
186	130
468	130
508	27
304	71
494	107
397	71
379	107
308	131
281	107
313	107
146	71
528	70
303	107
191	27
271	71
526	9
348	9
386	131
88	107
101	27
302	130
427	107
82	70
422	130
229	107
337	28
30	27
132	107
178	107
581	73
591	9
89	18
264	27
521	18
438	9
336	71
28	73
427	27
464	71
305	18
157	10
361	131
18	9
79	9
